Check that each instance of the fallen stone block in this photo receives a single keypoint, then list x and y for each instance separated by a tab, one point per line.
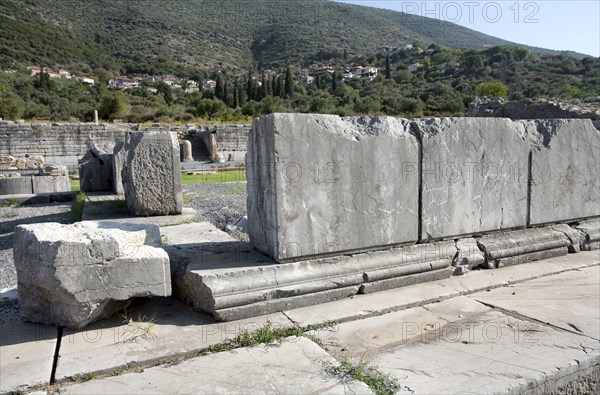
151	173
470	184
565	164
321	184
71	275
520	246
590	234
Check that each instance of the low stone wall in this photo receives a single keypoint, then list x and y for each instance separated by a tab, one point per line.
65	144
325	185
62	144
34	184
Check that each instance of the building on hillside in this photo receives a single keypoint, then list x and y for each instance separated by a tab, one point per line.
65	74
124	83
367	73
169	79
35	70
209	84
85	80
307	80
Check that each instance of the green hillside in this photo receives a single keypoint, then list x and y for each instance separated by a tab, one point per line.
156	36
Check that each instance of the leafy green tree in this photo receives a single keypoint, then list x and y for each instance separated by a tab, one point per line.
113	106
491	89
166	91
211	108
11	107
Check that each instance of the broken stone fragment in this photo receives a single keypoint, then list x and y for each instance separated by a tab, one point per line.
71	275
469	256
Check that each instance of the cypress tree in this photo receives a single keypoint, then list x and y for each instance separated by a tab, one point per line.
281	86
275	86
334	82
318	81
241	95
289	80
249	90
220	88
388	70
264	88
235	94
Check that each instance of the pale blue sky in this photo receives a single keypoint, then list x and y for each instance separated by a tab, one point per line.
559	24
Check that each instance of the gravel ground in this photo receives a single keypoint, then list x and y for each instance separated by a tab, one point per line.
219	204
12	216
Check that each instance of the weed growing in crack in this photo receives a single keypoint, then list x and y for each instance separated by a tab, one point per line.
379	382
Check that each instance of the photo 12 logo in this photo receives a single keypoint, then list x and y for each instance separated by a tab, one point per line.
474	11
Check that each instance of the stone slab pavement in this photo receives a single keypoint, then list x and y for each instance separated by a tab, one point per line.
381	328
26	350
101	207
294	366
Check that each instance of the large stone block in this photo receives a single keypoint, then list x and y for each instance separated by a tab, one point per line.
565	169
96	171
71	275
50	184
15	185
474	173
152	173
323	184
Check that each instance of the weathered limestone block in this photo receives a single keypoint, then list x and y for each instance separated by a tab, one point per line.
520	246
322	184
590	234
152	173
15	185
565	170
71	275
50	184
474	174
118	162
469	256
96	171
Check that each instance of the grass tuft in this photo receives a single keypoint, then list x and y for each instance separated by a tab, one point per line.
231	176
77	207
380	383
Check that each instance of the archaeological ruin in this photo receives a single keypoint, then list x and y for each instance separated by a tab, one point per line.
336	206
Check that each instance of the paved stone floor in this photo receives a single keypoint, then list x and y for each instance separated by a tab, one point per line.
531	328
